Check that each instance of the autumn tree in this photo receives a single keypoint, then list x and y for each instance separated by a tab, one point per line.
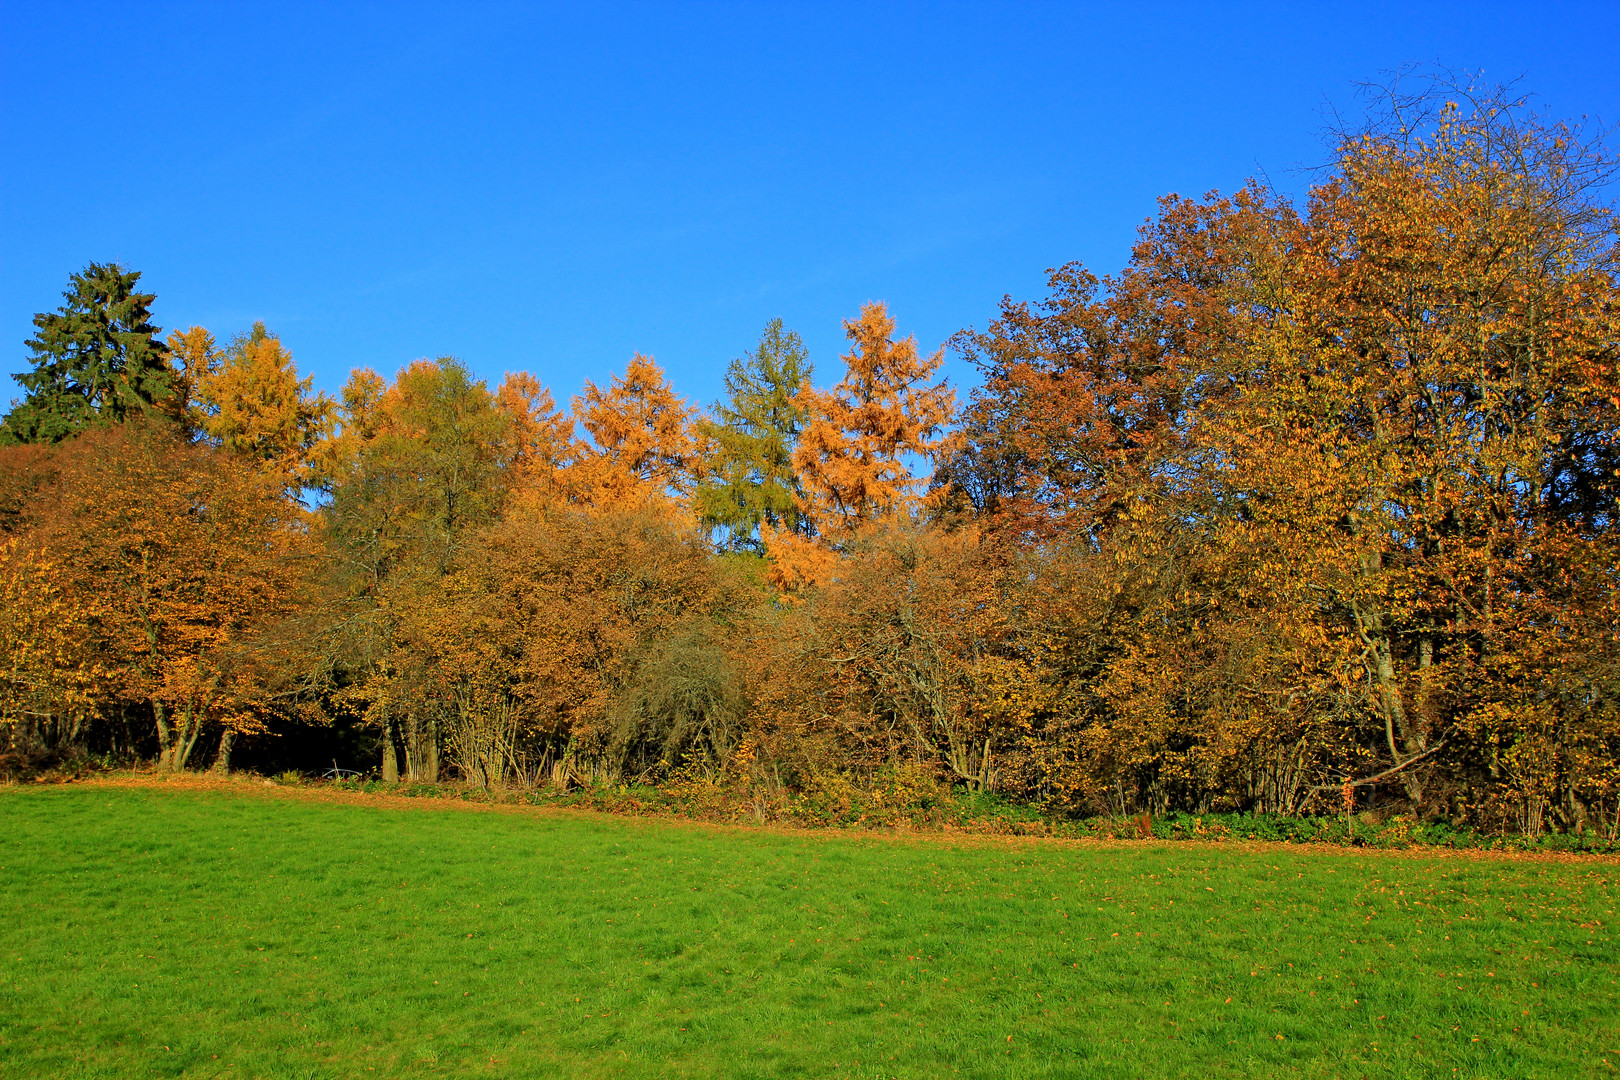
97	359
1087	396
143	574
855	458
1318	462
906	656
578	637
1439	373
540	436
433	460
750	480
422	462
852	457
195	356
421	465
249	399
642	449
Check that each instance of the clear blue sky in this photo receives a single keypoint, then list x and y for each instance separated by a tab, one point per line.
553	188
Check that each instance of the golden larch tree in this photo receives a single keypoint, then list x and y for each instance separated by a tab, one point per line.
643	450
540	436
852	457
250	400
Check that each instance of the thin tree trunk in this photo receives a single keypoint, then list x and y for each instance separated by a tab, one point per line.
188	739
390	758
431	736
407	749
165	736
222	760
1416	740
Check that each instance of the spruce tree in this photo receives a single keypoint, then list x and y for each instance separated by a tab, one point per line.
97	359
750	479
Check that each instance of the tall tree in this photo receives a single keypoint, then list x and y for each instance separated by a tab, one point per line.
144	569
1444	331
642	450
852	458
421	465
749	479
195	357
540	436
1337	487
423	462
250	400
97	358
1086	395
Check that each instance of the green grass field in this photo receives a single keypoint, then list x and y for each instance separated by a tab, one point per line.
153	932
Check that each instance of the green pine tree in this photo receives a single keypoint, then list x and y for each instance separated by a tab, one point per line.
750	478
97	359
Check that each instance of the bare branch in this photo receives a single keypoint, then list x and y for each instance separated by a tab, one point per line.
1373	779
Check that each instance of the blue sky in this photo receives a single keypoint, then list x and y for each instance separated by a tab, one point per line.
554	187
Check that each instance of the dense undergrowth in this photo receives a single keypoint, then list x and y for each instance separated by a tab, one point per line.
981	813
897	807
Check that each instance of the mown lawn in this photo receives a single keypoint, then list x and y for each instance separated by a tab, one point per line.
153	932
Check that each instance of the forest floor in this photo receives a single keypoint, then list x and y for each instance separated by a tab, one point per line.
230	929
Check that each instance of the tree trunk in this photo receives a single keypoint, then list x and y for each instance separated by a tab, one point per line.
1415	737
412	732
1398	727
165	737
415	767
187	738
421	750
390	758
1570	809
430	735
222	760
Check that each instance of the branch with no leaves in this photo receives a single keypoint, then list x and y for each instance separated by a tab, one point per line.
1373	779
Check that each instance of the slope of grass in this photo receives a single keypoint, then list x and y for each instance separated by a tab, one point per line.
152	932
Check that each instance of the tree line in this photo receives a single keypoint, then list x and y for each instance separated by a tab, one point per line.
1310	507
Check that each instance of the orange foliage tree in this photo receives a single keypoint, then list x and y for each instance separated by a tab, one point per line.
539	435
642	449
903	658
139	578
1426	445
1347	475
548	647
422	465
854	460
249	399
852	457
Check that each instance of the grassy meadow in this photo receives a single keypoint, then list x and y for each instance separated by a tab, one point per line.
243	932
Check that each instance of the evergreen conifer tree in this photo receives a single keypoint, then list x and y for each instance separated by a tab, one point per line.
97	359
750	480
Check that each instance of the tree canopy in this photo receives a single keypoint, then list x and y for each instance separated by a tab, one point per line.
96	359
750	480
